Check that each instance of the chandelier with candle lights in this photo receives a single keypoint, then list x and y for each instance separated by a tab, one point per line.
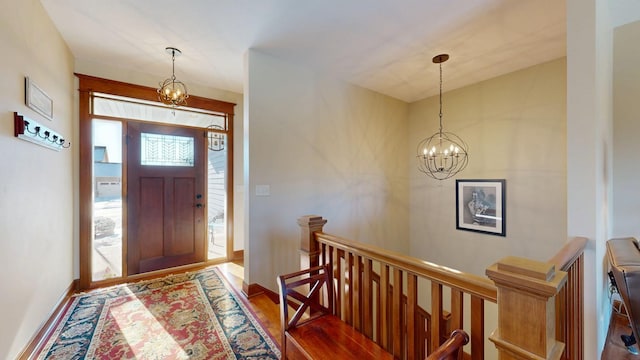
443	154
171	91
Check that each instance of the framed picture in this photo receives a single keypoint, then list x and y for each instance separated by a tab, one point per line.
37	99
480	206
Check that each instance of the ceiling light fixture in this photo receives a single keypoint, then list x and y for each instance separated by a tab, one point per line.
171	91
443	154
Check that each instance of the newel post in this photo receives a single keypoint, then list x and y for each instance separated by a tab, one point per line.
526	308
309	249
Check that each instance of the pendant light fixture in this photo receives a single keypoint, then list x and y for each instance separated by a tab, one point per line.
443	154
171	91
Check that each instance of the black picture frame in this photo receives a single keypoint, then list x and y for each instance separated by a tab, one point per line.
481	206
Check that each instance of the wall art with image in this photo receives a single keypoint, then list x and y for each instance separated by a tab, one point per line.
480	206
37	99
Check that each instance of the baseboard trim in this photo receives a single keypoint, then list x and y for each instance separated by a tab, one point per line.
251	290
35	345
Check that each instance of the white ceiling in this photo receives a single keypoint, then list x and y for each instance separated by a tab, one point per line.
383	45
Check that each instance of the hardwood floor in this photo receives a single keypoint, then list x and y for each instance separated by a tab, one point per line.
268	313
264	308
614	348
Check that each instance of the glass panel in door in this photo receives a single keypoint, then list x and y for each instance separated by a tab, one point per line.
106	247
217	195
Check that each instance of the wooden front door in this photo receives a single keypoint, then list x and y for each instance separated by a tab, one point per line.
165	197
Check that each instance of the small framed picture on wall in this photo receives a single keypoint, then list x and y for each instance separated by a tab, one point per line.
37	99
480	206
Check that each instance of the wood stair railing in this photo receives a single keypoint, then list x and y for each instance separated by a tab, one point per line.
569	302
384	294
423	318
452	348
373	283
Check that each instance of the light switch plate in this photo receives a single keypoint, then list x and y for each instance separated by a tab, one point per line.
263	190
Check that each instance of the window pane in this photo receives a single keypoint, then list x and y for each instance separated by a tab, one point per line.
117	106
107	200
166	150
217	191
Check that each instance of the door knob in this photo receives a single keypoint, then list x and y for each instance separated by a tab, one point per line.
199	206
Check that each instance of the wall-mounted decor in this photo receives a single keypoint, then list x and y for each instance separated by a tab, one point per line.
30	130
37	99
480	206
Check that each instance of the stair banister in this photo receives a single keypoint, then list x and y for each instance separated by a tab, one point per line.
526	309
535	307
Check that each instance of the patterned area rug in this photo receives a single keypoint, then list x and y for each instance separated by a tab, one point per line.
190	316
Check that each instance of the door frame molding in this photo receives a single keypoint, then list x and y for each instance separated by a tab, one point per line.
90	84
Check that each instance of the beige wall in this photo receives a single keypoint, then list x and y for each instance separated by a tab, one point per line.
515	128
589	151
356	145
323	147
626	131
37	187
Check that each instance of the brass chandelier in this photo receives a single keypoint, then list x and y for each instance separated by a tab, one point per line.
171	91
443	154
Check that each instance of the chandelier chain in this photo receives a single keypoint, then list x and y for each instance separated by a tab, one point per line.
173	66
440	114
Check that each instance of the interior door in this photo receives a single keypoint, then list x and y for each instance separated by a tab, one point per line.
165	197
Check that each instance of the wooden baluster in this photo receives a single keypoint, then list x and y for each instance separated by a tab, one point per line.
569	310
367	306
327	253
384	307
339	284
457	311
348	258
421	336
396	314
323	254
526	308
436	314
412	322
578	307
377	309
477	328
563	313
356	286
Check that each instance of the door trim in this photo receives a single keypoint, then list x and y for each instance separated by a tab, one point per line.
87	86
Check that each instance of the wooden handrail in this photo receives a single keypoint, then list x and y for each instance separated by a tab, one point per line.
465	282
451	348
569	253
377	293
